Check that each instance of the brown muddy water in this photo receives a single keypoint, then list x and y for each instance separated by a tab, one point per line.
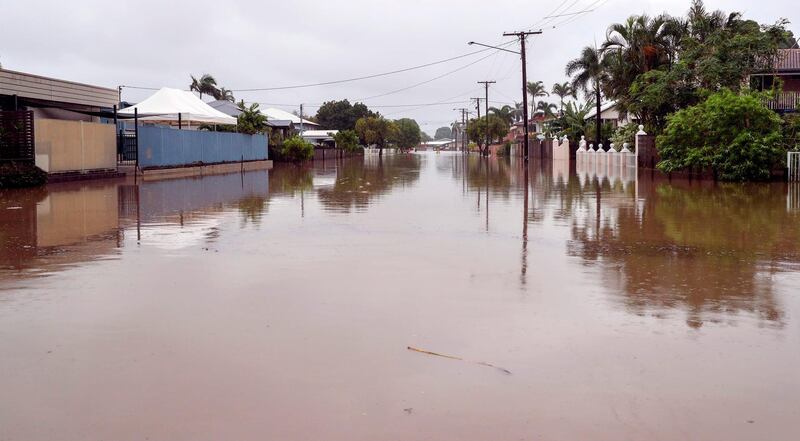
281	305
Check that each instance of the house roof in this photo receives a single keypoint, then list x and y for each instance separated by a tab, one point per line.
226	107
273	113
603	108
280	123
52	90
788	60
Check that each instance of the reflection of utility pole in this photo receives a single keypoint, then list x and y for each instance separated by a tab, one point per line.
486	103
524	269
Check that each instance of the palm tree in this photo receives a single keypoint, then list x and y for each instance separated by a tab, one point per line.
225	95
575	119
536	89
589	71
205	85
518	112
562	91
506	113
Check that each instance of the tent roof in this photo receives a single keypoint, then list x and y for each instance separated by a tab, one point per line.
166	104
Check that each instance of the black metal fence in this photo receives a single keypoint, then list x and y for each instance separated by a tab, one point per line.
16	136
127	148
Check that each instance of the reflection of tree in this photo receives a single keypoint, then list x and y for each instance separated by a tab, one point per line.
709	251
252	208
288	179
360	180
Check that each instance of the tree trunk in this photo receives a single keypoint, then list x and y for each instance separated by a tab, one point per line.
599	120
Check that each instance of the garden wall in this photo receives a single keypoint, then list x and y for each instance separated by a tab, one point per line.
166	147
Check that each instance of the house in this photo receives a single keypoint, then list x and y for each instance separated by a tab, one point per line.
65	125
282	115
787	70
610	114
282	128
320	137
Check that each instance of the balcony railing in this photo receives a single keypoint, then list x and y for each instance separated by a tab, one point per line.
785	101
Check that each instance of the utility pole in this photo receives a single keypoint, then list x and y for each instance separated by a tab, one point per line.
486	103
478	107
463	127
301	120
522	35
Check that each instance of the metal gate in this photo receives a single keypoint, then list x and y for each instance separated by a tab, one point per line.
127	148
16	136
793	165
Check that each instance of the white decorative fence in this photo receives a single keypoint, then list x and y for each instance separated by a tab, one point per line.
793	165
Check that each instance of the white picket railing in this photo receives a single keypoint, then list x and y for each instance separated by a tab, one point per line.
793	165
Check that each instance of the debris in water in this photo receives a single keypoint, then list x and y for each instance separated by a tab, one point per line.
452	357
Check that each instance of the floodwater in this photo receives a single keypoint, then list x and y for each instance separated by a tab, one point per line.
281	305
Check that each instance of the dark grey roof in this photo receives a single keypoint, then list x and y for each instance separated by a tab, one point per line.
280	123
226	107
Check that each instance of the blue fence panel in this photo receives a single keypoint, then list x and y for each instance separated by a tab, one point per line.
166	147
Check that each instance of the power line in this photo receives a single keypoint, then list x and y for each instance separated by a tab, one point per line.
366	77
426	81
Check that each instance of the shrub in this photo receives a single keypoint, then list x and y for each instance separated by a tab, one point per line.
18	175
297	149
735	136
625	134
347	140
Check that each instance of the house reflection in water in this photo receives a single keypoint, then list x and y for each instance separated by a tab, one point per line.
44	229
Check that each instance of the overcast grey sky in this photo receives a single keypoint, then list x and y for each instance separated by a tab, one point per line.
248	44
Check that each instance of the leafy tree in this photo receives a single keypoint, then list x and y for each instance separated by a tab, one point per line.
408	133
443	133
590	73
297	149
574	123
477	128
347	140
535	89
734	135
425	137
506	113
251	120
376	130
206	84
341	115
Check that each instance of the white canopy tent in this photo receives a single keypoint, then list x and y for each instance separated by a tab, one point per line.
172	105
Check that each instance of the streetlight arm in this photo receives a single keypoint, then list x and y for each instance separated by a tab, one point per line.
492	47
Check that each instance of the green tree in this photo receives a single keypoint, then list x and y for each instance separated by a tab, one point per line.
347	140
206	84
251	120
589	71
225	95
564	90
341	115
408	133
506	113
535	89
443	133
477	128
733	135
376	130
574	121
297	149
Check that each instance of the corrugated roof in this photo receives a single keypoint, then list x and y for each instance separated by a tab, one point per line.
788	60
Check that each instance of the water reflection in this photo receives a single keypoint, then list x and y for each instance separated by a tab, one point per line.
360	180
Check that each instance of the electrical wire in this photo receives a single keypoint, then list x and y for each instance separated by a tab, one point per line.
366	77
